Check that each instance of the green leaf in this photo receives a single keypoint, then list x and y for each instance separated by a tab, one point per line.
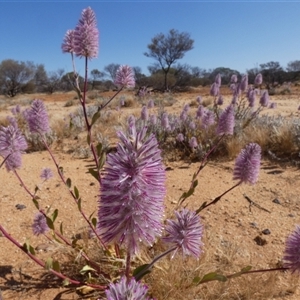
76	192
210	277
91	215
85	269
61	228
94	173
36	203
94	221
56	266
79	204
102	160
28	248
95	117
68	182
243	270
141	271
99	149
36	189
54	215
50	223
190	192
49	263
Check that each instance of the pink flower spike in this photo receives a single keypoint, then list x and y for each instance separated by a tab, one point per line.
125	77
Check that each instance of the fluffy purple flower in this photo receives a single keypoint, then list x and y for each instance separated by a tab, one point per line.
264	99
233	78
226	121
218	80
200	111
251	97
132	192
153	119
86	35
183	115
273	105
214	89
199	100
46	174
37	117
127	289
192	125
244	83
39	225
185	232
186	108
12	145
180	137
68	42
125	77
247	164
144	113
165	121
207	119
291	257
193	142
258	79
150	103
220	100
234	99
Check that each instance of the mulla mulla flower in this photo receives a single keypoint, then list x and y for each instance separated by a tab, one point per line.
128	289
12	145
247	164
291	257
226	121
125	77
68	42
86	36
39	225
37	117
185	233
132	192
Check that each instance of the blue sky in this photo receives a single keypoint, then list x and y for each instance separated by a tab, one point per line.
236	34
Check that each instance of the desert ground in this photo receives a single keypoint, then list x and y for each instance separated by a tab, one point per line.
237	234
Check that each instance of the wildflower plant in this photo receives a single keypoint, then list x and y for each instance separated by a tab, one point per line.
131	180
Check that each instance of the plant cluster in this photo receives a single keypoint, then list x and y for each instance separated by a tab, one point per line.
130	216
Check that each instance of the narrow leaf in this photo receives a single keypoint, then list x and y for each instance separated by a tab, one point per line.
94	174
141	271
76	192
54	215
79	204
211	277
102	160
99	149
68	182
95	117
94	221
50	223
61	228
36	203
